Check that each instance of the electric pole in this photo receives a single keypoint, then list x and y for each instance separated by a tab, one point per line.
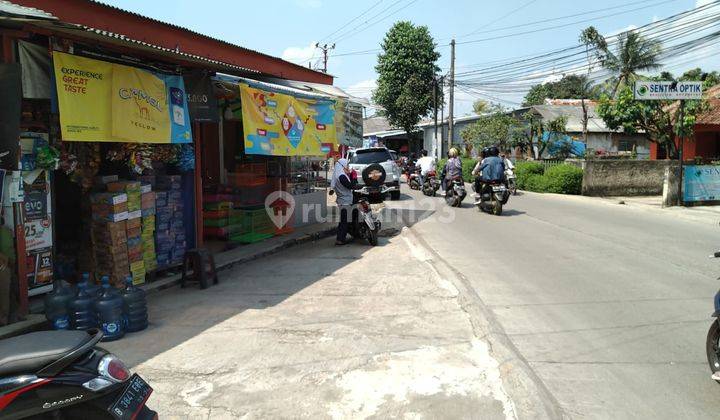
451	104
435	110
325	49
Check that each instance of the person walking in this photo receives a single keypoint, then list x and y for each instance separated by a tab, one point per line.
342	184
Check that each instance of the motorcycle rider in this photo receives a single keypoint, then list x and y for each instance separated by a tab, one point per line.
426	164
490	169
344	181
453	168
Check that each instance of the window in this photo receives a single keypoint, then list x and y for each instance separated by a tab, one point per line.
368	156
625	145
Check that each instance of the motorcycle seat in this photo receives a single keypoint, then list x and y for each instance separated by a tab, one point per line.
31	352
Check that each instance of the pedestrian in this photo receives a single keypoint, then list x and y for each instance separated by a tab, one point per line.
453	167
342	185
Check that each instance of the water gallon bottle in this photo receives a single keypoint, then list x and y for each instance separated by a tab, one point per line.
81	309
56	303
135	307
109	311
92	288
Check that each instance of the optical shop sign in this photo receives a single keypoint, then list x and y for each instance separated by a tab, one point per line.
107	102
659	90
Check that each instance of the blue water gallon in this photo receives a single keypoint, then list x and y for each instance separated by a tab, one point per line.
134	307
92	288
56	303
81	309
109	312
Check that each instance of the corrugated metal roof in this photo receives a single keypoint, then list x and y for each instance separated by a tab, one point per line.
574	115
17	11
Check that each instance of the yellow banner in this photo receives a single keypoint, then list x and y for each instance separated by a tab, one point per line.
84	88
139	106
282	125
107	102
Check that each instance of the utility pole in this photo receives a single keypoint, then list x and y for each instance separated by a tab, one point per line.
680	152
325	49
442	114
435	108
451	115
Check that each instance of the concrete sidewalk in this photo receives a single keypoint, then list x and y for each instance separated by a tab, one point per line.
319	331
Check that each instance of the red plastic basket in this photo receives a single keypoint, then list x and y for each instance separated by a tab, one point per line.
248	175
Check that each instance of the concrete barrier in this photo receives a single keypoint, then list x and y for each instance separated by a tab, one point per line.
607	178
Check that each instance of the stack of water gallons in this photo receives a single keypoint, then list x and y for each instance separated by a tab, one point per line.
88	306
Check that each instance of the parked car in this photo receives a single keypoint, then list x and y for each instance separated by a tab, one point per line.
362	158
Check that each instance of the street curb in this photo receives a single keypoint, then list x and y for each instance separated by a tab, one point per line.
532	399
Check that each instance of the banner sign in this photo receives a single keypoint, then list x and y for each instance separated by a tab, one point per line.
10	100
202	102
278	124
650	91
107	102
701	183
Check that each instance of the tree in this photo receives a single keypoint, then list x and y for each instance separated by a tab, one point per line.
495	129
406	69
480	107
593	41
634	53
569	87
656	118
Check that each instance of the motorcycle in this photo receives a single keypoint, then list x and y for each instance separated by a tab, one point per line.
364	223
430	184
413	178
63	374
455	193
511	184
491	197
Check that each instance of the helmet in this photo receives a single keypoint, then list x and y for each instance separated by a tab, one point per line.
494	151
485	152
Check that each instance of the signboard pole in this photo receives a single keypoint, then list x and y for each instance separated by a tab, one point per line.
680	153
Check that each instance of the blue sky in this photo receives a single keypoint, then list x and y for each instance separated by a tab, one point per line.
289	28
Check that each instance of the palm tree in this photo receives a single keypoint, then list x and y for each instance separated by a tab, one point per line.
634	53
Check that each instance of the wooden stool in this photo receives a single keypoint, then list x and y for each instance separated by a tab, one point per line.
202	264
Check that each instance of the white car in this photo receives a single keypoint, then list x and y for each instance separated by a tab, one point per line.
362	158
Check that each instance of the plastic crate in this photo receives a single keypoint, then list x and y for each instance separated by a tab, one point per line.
252	196
253	223
248	175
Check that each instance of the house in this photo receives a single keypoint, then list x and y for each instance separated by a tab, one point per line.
378	129
600	139
705	144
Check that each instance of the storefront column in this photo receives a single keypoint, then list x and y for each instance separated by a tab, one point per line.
198	138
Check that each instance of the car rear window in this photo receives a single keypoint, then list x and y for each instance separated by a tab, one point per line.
365	157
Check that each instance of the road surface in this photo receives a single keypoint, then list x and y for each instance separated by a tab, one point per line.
609	305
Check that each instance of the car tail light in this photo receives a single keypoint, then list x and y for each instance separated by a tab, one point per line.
113	368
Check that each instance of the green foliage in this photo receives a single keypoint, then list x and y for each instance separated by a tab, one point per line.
633	54
559	179
406	69
480	107
569	87
494	129
563	179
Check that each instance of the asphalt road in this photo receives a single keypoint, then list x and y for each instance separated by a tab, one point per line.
609	305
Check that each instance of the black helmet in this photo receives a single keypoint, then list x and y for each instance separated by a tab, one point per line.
485	152
494	151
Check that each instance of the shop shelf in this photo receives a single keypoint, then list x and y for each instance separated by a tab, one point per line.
218	206
248	174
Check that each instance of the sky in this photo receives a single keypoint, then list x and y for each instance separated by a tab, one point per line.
290	29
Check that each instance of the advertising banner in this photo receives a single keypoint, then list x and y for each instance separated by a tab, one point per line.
667	90
10	101
202	102
107	102
278	124
701	183
348	120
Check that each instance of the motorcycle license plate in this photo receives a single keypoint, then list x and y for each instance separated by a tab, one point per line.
132	399
499	189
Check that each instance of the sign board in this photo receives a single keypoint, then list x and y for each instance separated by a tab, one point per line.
666	90
701	183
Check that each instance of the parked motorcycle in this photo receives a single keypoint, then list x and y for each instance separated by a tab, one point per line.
430	184
455	193
511	181
364	223
63	374
492	197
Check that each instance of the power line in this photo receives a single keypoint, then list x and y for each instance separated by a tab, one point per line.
351	21
374	20
510	13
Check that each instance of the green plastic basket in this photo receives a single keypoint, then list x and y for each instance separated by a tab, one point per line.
250	225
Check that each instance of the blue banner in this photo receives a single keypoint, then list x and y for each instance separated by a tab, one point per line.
701	183
178	108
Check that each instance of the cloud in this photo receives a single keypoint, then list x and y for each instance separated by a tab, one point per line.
362	89
301	55
309	4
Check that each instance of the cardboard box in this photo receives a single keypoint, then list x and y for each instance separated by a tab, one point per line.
111	217
102	181
105	208
135	214
109	198
123	186
134	223
113	228
145	188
